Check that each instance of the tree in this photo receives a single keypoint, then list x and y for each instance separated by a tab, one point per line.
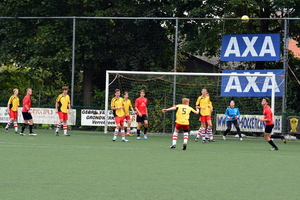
100	44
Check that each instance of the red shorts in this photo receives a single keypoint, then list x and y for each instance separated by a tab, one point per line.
127	117
119	120
13	114
204	118
180	126
63	116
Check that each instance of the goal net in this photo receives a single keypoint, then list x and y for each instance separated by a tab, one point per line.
165	89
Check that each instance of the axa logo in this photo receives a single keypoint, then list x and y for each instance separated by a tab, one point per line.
259	47
252	86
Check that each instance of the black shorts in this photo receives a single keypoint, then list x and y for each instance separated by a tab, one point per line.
142	118
269	128
26	116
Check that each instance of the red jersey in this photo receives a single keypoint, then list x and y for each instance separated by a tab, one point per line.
27	102
141	105
268	115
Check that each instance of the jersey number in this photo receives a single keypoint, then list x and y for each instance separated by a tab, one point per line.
183	111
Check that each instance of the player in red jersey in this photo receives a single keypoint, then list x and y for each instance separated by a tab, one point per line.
26	112
142	114
268	118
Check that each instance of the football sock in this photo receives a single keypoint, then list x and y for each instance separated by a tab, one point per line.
203	133
174	138
123	134
16	126
30	128
145	130
276	136
23	127
199	133
58	127
272	144
8	124
128	130
116	133
138	133
65	127
209	132
185	137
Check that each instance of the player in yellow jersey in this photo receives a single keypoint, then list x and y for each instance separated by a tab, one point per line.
12	108
117	105
127	108
182	121
63	108
205	106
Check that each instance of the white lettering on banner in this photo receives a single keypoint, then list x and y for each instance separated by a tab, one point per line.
248	123
234	83
233	47
97	118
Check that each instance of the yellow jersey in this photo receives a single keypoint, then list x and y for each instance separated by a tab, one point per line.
63	102
206	103
13	102
118	102
127	105
183	114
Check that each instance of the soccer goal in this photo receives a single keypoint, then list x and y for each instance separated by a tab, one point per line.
165	89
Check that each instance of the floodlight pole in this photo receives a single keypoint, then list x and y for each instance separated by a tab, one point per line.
73	60
285	73
175	70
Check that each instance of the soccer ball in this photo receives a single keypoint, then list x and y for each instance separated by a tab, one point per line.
245	19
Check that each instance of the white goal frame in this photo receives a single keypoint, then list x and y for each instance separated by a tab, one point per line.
108	72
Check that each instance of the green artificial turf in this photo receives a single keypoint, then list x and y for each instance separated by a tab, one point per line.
88	165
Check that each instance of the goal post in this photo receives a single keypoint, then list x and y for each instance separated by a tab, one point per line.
135	80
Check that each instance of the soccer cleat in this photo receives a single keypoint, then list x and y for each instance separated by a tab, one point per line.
212	140
56	133
66	134
138	138
22	134
145	137
6	130
283	139
274	149
124	140
114	139
224	137
184	147
32	134
128	134
204	141
16	132
173	146
241	139
196	139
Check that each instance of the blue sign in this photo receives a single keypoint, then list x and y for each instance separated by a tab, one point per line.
251	86
251	47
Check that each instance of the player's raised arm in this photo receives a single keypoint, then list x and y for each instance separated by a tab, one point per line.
168	109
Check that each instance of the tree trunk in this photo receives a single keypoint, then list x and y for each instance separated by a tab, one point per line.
87	85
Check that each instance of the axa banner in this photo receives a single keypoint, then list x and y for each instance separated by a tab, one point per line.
251	47
249	123
251	86
97	118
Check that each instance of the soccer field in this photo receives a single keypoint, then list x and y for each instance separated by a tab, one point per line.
88	165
